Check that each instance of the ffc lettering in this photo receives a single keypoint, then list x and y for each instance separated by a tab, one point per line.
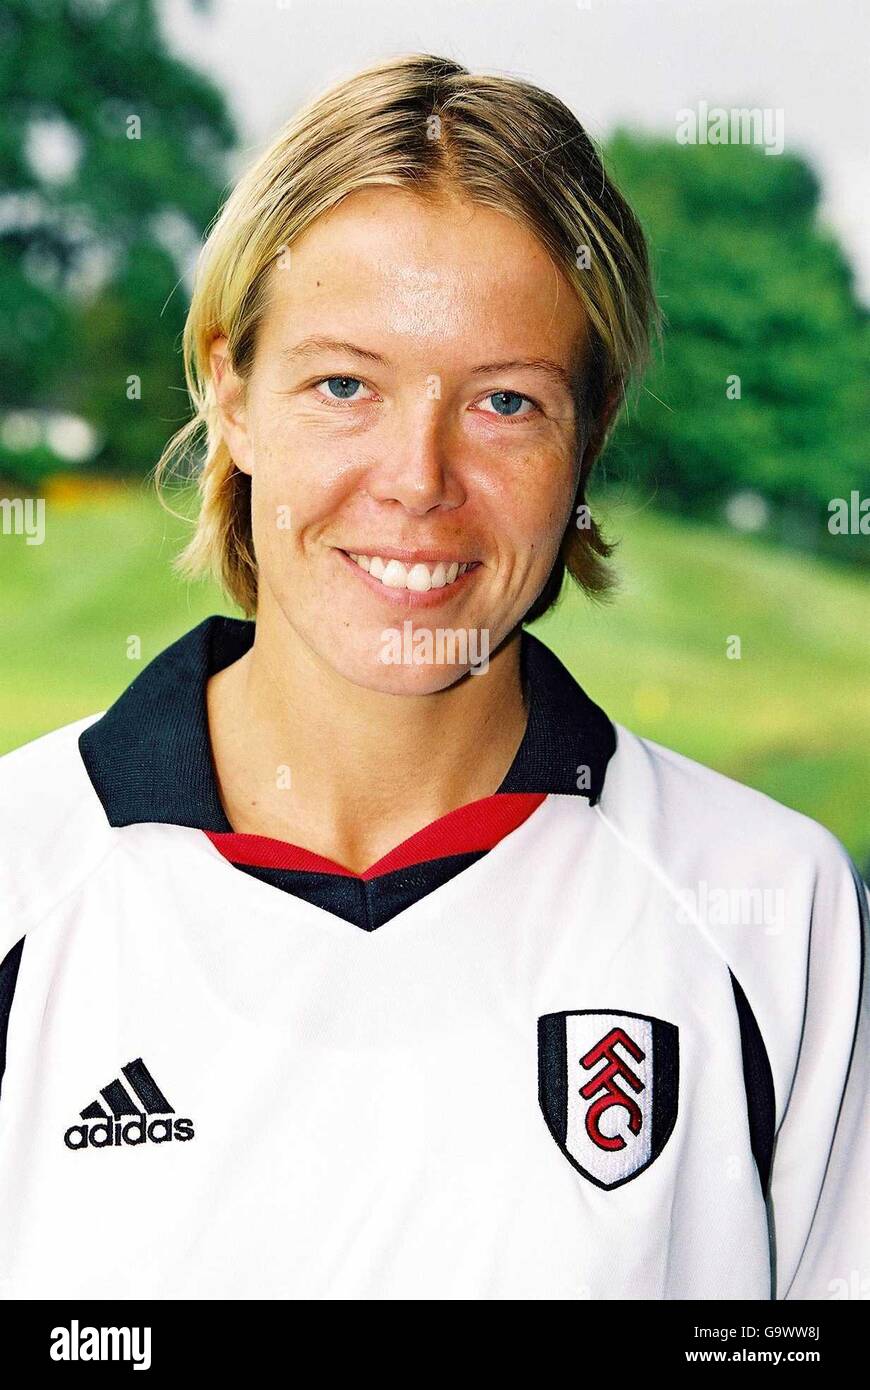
613	1095
608	1087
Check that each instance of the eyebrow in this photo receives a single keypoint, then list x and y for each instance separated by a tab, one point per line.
560	375
319	344
308	346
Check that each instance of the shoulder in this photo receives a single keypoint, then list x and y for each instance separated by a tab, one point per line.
772	891
53	830
688	815
758	879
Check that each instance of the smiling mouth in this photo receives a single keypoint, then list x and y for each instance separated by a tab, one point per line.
417	577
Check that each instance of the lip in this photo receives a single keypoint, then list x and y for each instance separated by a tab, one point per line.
408	598
421	556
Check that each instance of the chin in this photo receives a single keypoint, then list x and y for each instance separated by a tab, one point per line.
361	664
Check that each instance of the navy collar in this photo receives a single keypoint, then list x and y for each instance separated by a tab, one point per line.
149	756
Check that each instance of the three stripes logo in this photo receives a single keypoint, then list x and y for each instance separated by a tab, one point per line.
104	1128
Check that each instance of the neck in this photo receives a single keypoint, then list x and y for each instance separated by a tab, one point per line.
304	755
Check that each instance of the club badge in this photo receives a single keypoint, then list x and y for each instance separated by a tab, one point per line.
608	1087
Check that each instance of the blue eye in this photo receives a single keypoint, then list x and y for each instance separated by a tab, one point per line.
508	402
341	388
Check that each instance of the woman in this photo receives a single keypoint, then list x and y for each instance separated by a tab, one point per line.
392	955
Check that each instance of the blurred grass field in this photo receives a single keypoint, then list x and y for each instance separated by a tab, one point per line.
791	716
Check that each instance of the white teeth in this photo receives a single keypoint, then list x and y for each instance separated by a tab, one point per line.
395	576
419	578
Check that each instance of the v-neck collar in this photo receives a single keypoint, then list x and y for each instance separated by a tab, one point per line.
472	828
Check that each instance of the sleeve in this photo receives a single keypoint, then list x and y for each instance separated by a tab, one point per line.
8	979
820	1178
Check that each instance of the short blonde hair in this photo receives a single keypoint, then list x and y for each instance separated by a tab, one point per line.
428	125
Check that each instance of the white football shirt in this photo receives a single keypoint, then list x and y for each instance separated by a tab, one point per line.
603	1035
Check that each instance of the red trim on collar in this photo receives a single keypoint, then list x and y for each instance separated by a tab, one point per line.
467	830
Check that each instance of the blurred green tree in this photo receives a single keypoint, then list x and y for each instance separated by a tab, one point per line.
112	161
759	300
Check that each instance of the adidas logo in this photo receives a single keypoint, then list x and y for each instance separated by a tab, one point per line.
103	1129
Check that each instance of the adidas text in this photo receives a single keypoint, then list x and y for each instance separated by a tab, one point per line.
103	1134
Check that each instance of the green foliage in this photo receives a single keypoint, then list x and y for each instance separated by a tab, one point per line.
788	717
91	258
750	285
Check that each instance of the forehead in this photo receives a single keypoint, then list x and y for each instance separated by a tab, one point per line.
435	274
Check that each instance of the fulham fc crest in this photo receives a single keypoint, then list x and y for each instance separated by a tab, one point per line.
607	1084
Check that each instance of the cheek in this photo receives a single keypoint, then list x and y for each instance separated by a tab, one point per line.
274	504
283	468
536	498
297	489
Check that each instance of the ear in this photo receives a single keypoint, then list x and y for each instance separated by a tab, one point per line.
595	442
229	390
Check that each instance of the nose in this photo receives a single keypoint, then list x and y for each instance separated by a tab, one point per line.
417	466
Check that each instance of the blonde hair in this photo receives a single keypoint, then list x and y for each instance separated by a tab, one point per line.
425	124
